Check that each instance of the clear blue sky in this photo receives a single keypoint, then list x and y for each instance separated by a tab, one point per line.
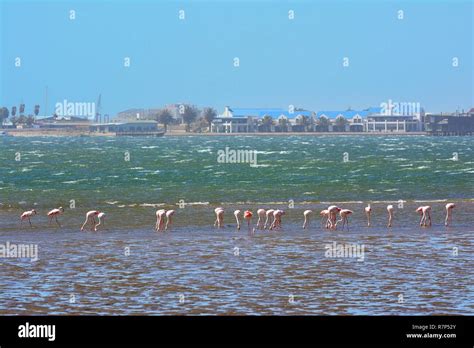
282	61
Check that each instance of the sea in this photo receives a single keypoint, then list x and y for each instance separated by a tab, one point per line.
193	268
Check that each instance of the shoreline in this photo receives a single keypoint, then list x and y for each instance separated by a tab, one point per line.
81	133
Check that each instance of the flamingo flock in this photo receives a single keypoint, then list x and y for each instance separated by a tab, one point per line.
270	219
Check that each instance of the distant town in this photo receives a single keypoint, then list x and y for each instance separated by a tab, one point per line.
175	119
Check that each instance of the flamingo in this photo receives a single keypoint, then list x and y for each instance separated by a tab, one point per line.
277	214
332	216
90	217
27	215
368	211
248	216
261	216
306	215
237	218
100	217
159	219
324	217
390	215
269	214
425	213
449	208
54	214
219	217
344	213
169	220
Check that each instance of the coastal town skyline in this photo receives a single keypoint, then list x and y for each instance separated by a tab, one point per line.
296	61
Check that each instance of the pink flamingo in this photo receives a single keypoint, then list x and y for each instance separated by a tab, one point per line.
324	217
248	216
390	215
449	208
27	215
169	220
306	215
368	211
261	216
269	214
344	213
160	213
237	218
277	214
425	213
54	214
219	217
332	216
90	217
100	217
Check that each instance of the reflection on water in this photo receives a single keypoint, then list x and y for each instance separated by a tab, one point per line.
200	270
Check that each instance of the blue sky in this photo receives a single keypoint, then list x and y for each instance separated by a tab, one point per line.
282	61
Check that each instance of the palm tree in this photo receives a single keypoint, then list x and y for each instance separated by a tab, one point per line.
283	123
37	109
13	110
209	114
189	115
164	117
267	122
4	113
323	123
341	122
22	109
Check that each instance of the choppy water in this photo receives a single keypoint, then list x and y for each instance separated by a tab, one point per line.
432	268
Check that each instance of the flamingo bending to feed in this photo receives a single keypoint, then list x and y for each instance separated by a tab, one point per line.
261	216
237	218
425	214
27	215
390	215
219	217
344	213
324	217
332	216
306	215
277	214
90	217
169	218
54	214
449	208
368	211
160	213
269	214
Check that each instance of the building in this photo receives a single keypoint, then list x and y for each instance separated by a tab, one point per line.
139	127
450	124
248	120
355	120
373	119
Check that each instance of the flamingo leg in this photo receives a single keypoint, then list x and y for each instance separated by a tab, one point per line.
56	218
29	221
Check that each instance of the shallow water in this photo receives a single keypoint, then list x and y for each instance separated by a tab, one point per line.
127	268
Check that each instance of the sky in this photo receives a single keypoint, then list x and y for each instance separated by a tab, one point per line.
282	61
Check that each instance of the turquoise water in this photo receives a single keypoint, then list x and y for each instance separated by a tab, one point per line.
198	262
